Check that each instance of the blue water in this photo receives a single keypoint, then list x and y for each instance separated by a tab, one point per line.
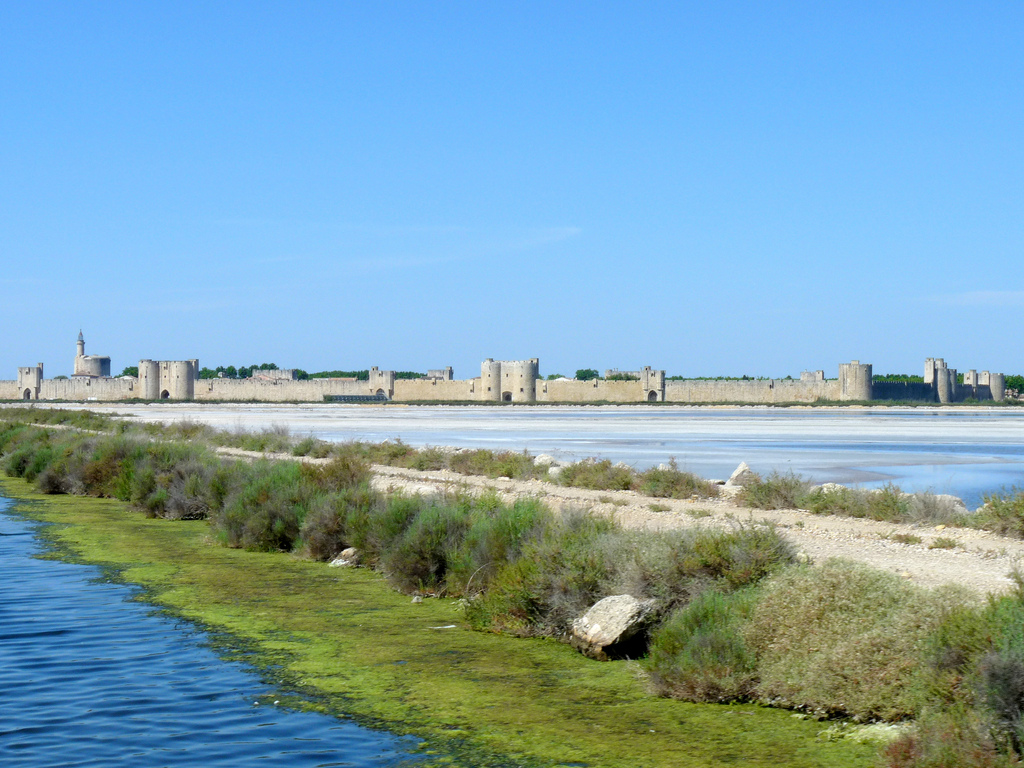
89	677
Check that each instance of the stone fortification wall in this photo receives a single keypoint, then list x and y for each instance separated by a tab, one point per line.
437	389
278	391
762	392
903	390
515	381
572	391
88	389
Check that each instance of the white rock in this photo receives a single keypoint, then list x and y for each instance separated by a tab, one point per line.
610	622
742	475
347	558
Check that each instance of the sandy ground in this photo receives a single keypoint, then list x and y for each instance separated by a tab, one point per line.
980	561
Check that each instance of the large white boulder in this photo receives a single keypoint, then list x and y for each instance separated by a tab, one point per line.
606	629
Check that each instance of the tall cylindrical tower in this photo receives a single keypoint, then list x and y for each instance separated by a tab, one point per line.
855	381
181	381
490	380
943	386
519	380
80	348
149	380
997	384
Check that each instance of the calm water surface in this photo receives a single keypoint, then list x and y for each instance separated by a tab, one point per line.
967	452
89	677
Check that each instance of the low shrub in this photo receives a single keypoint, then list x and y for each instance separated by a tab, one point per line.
428	460
844	639
699	653
958	738
670	483
888	503
777	491
418	559
495	464
556	579
335	521
1003	513
266	506
597	475
930	509
576	561
834	500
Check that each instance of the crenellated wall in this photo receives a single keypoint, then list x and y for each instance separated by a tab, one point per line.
764	392
451	390
597	390
514	381
278	391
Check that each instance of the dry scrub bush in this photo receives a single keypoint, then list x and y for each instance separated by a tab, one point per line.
844	639
1003	513
699	653
579	560
959	738
774	492
492	464
671	483
597	476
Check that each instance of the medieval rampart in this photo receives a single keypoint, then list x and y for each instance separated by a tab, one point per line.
764	392
510	381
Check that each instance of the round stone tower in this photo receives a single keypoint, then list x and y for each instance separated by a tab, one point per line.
519	378
997	385
490	380
181	380
149	380
944	379
855	381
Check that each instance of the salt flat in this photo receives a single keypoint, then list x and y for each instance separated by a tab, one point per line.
963	451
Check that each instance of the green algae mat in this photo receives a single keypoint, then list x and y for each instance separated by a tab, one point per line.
340	641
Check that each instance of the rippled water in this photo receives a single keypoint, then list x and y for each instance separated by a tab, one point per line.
89	677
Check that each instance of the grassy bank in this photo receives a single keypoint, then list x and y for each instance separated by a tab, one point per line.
736	618
345	643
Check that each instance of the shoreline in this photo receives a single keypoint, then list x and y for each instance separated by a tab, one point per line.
489	699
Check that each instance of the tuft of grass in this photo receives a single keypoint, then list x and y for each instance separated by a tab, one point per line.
671	483
904	538
943	542
1003	513
597	476
777	491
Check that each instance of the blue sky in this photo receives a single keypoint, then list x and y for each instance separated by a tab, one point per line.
708	188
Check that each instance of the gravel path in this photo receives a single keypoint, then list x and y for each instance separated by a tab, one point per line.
980	560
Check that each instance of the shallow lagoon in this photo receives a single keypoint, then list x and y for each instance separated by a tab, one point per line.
93	677
963	451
